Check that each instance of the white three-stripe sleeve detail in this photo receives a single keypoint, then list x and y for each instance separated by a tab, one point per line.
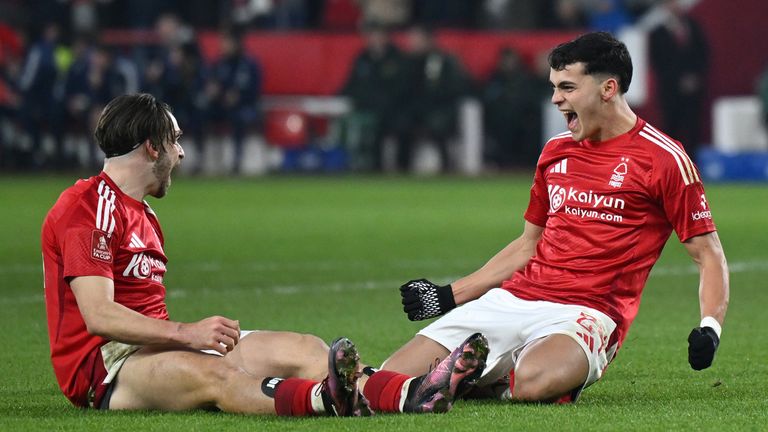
111	213
684	156
136	240
672	152
102	225
565	165
99	206
108	205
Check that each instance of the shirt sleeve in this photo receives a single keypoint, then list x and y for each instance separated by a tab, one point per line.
538	204
87	248
683	198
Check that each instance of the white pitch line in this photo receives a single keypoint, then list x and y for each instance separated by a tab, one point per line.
180	292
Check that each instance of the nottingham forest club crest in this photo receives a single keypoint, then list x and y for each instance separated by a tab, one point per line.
619	173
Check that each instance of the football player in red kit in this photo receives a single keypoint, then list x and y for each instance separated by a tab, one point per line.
112	343
557	302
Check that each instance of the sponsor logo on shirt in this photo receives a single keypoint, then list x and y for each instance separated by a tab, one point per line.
595	203
100	249
558	195
142	266
702	214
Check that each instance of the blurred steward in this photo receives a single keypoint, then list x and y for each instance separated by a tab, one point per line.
511	100
680	56
232	92
376	85
436	83
39	111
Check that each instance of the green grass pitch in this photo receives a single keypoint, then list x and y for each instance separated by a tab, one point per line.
327	255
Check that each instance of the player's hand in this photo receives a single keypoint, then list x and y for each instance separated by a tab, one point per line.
702	344
215	333
423	300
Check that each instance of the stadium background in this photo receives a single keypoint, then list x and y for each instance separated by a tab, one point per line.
325	254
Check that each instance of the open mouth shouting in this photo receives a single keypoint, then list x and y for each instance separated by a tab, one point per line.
572	119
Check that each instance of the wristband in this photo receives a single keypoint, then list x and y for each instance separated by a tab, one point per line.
708	321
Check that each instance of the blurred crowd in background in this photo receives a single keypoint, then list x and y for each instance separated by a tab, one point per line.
57	72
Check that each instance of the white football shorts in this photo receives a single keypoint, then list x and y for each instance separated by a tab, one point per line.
511	324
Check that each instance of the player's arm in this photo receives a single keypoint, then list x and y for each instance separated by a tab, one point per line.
106	318
707	253
499	268
422	299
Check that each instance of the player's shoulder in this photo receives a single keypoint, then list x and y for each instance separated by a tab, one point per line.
563	138
93	200
558	143
667	155
555	146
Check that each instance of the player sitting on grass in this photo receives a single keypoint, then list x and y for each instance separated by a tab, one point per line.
112	344
557	302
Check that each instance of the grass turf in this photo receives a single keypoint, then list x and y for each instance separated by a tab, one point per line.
326	256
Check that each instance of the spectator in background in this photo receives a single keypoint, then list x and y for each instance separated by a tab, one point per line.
389	13
77	100
233	90
186	76
37	84
510	14
376	85
437	81
95	77
177	74
562	15
11	46
511	100
680	56
171	33
109	76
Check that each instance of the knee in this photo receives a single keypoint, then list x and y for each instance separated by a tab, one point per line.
300	343
313	344
304	355
310	361
533	384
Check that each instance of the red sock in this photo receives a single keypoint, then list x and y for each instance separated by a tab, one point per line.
511	382
383	390
293	398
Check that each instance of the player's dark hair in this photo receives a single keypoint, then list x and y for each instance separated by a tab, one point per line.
129	120
600	52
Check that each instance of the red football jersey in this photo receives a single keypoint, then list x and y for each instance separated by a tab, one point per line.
607	209
96	230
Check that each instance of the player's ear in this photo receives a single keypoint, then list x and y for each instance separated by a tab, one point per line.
154	154
609	88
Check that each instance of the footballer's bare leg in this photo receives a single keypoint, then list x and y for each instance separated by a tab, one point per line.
549	368
281	354
184	380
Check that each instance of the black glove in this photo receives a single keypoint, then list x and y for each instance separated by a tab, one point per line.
423	300
702	344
